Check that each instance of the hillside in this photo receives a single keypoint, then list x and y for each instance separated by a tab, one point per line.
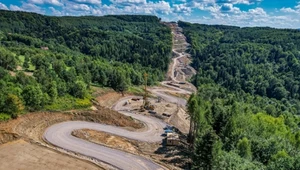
66	55
246	112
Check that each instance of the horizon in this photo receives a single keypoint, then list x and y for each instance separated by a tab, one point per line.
241	13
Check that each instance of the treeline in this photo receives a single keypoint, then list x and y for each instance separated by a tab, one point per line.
245	114
51	62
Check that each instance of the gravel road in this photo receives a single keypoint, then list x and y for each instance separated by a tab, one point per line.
60	134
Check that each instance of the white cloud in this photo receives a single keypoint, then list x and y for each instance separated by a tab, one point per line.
247	2
289	10
182	8
216	11
91	2
27	7
295	10
55	11
252	17
50	2
258	12
15	8
2	6
80	7
229	8
298	6
161	7
129	1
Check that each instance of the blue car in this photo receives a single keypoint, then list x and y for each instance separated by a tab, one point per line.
168	131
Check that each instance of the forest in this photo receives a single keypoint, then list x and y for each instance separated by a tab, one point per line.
245	114
50	63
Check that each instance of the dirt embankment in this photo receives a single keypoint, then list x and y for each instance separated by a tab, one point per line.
7	137
175	157
32	126
21	139
106	98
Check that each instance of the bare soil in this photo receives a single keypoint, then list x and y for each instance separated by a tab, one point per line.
172	157
159	107
180	95
180	120
30	127
22	155
19	68
33	125
109	99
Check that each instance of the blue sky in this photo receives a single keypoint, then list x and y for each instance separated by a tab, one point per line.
272	13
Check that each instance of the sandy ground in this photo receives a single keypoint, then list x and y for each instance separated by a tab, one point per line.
22	155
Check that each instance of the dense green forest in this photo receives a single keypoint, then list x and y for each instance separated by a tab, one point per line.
50	62
246	112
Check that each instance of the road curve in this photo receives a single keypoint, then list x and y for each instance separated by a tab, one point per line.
60	134
161	93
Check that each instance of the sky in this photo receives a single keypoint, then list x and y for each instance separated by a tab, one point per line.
243	13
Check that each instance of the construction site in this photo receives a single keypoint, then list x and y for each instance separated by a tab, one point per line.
160	111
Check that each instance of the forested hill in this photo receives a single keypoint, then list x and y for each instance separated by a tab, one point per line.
258	61
246	112
65	55
128	38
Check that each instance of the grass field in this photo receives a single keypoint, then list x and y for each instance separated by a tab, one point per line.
69	103
22	59
4	117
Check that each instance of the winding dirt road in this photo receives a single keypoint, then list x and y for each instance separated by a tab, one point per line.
61	136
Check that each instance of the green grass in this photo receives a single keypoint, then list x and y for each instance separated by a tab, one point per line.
136	90
22	60
68	103
4	117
